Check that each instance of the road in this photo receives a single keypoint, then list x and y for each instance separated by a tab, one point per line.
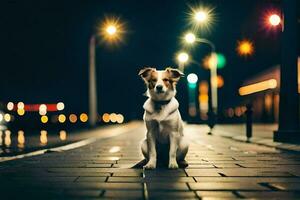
219	168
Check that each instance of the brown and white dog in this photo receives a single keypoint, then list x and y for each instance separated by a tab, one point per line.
162	118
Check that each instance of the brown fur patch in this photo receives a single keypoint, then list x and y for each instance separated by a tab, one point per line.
152	80
167	79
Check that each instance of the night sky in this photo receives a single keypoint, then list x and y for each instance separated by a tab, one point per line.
44	49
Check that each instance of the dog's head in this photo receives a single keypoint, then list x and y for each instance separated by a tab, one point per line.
161	84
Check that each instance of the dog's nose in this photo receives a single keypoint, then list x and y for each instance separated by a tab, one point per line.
159	87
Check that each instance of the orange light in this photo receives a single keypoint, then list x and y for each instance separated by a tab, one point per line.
111	29
43	137
106	117
258	87
245	48
21	138
7	138
62	135
219	81
73	118
83	117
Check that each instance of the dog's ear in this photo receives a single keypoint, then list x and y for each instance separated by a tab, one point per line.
175	74
146	72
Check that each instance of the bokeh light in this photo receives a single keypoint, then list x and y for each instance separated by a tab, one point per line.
44	119
192	78
62	135
10	106
61	118
60	106
20	105
83	117
21	138
106	117
43	109
43	137
73	118
120	118
245	47
7	117
21	112
113	117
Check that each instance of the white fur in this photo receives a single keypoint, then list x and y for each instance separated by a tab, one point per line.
163	126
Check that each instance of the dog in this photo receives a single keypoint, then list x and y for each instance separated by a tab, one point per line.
162	118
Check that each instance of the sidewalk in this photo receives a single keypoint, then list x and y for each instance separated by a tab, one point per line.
262	134
219	168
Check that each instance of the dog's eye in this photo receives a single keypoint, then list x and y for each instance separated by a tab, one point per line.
165	79
154	80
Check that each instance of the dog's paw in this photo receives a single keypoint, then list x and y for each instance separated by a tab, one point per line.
150	166
173	165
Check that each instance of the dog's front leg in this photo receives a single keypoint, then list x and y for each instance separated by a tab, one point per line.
151	150
173	149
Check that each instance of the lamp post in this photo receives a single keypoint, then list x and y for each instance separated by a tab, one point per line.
110	31
190	38
289	125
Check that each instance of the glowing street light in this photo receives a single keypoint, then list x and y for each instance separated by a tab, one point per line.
190	38
183	57
245	48
110	30
201	16
274	20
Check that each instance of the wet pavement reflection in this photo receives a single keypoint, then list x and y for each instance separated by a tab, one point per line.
20	141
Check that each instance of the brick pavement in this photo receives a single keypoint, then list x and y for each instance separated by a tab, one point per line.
219	168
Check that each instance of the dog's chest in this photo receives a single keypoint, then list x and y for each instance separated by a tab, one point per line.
163	131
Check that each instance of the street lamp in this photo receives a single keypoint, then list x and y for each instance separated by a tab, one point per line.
190	38
274	20
182	59
201	16
110	30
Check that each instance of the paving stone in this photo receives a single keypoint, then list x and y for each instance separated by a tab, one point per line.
167	186
226	186
216	194
171	195
122	179
270	194
134	174
168	179
121	194
83	193
247	179
165	173
91	179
